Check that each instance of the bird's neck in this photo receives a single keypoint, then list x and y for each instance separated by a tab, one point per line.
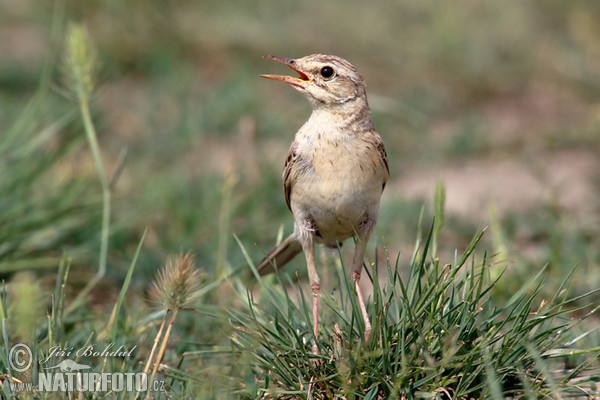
352	115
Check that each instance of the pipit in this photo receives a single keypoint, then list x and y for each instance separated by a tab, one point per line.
335	171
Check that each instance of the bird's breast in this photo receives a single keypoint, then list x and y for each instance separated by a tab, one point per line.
343	186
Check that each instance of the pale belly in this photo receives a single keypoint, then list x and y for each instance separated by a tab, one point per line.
337	203
338	219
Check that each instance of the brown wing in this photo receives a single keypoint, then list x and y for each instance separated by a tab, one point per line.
288	175
384	159
380	148
295	166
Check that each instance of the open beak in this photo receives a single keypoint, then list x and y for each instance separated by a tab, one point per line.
301	81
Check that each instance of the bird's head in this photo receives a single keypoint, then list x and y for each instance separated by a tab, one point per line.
326	81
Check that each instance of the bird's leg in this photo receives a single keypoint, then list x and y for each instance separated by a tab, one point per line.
363	235
306	236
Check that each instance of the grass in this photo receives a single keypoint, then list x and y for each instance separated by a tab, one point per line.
174	147
437	334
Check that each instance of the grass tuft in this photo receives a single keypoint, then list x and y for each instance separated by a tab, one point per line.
436	334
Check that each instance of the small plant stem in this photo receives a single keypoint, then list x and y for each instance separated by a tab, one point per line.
90	132
154	346
162	349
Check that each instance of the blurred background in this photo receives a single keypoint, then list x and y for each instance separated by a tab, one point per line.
499	101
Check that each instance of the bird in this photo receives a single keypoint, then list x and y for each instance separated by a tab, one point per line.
335	172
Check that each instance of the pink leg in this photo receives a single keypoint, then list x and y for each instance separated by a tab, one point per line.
359	255
308	246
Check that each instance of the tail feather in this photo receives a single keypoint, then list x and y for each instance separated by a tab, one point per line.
280	255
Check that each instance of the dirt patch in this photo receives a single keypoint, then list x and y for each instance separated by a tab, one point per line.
517	185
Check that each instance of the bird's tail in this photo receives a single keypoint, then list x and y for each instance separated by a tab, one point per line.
280	255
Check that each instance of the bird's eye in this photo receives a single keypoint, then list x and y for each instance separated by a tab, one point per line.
327	72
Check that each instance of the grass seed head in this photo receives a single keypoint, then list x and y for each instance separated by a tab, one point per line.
80	60
178	282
